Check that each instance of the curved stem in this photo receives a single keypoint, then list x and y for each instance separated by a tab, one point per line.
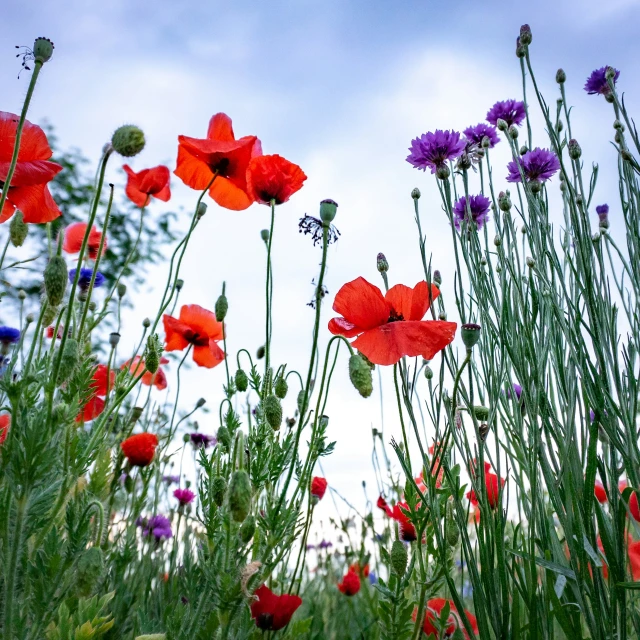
269	294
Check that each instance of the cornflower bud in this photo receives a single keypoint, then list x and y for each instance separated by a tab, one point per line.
481	413
523	149
22	294
521	50
122	289
415	193
382	264
618	126
437	277
360	375
525	34
536	186
502	125
470	333
242	381
43	50
504	201
428	372
559	126
18	229
513	132
442	172
561	76
128	140
272	411
29	318
239	496
442	316
328	210
486	142
55	280
574	149
531	263
497	241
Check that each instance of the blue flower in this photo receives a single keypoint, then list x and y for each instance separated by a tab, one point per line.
372	578
9	335
85	278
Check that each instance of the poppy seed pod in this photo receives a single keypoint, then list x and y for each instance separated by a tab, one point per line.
360	375
18	229
128	140
381	263
43	50
239	497
201	210
218	490
399	557
415	193
179	284
264	234
561	76
328	210
470	333
242	381
281	387
574	149
68	361
221	308
272	411
114	339
55	280
247	529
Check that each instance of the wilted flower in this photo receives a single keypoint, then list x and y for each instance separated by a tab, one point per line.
479	206
597	82
434	149
539	164
603	215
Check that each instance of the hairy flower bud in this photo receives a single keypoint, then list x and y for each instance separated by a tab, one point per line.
399	557
470	333
574	149
561	76
272	411
18	229
530	262
55	280
221	308
382	264
442	172
242	381
153	353
360	375
247	529
43	50
428	372
224	438
239	496
122	289
451	529
128	140
68	361
525	34
328	210
218	490
281	387
415	193
502	125
480	412
504	201
260	352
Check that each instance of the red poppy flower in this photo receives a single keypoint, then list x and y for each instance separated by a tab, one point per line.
74	235
364	571
454	621
219	154
91	409
318	487
382	504
350	583
99	382
633	506
5	425
633	552
273	178
157	379
599	492
139	449
272	612
98	389
198	327
28	190
146	183
50	330
399	513
390	326
492	485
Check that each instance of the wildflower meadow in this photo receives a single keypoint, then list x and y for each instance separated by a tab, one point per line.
508	463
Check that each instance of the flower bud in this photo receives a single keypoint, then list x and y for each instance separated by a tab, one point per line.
200	403
382	264
513	132
122	289
531	263
415	193
451	529
114	339
136	413
502	125
464	162
523	149
610	73
128	140
281	387
481	413
437	277
485	142
247	529
179	284
596	236
68	361
218	490
497	241
559	126
521	50
22	294
561	76
272	411
29	318
470	333
442	316
18	229
239	497
186	438
55	280
574	149
483	261
328	210
264	234
442	172
201	210
618	126
43	50
535	186
360	375
428	372
242	381
153	353
221	308
224	438
504	201
260	352
399	557
525	34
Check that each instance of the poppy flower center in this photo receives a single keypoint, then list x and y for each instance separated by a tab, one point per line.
196	339
265	621
394	316
221	167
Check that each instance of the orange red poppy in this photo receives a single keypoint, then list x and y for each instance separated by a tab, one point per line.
143	185
274	178
158	379
74	235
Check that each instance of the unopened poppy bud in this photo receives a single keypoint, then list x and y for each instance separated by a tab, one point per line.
43	50
530	262
218	490
281	387
242	381
415	193
481	413
30	318
179	284
146	323
574	149
201	402
470	333
224	437
128	140
360	375
186	438
122	289
428	372
442	172
513	132
136	412
300	399
18	229
114	339
22	294
504	201
328	210
264	234
239	497
55	280
399	557
437	277
247	529
618	126
535	186
49	314
201	210
260	352
502	125
525	34
561	76
221	308
382	264
153	353
272	411
68	361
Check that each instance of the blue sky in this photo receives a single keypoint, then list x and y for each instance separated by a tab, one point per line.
338	86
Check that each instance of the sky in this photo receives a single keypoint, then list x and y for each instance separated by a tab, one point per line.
340	87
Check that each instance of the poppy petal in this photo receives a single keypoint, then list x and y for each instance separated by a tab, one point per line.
35	202
33	143
220	128
7	211
201	321
174	334
411	303
27	174
361	304
229	196
208	356
342	327
193	172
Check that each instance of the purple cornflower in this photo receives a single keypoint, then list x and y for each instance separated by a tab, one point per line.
511	111
171	479
85	278
157	526
592	415
539	164
479	132
603	214
311	547
184	496
201	440
479	206
597	82
517	389
324	544
434	149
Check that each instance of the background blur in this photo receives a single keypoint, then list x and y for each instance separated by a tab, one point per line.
338	87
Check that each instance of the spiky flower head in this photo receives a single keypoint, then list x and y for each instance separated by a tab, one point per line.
128	140
434	149
597	82
478	208
511	111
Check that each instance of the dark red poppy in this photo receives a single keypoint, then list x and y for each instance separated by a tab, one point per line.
28	190
157	379
140	448
273	178
453	623
98	389
361	571
399	513
74	235
350	583
99	382
272	612
599	492
220	155
390	326
146	183
91	409
633	506
318	487
5	425
492	485
198	327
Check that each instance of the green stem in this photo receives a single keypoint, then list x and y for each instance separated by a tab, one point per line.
269	295
10	577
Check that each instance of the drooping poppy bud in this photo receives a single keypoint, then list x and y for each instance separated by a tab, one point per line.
239	495
281	387
18	229
260	353
242	381
218	490
247	529
128	140
272	411
360	375
399	557
224	438
55	280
